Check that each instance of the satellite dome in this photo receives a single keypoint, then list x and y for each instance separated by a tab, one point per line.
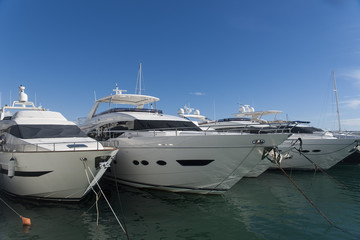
181	112
22	95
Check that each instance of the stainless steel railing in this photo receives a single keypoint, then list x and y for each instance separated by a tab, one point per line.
52	147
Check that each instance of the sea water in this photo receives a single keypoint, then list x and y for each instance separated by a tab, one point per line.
267	207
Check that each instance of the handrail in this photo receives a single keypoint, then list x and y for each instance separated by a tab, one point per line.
246	129
52	146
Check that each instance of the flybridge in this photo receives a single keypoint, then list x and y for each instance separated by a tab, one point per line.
22	104
137	100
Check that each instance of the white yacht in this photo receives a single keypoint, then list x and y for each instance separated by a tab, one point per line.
45	156
318	146
171	153
232	124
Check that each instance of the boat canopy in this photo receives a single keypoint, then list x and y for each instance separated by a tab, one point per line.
255	116
130	99
137	100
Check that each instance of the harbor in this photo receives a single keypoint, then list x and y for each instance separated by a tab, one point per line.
189	120
203	187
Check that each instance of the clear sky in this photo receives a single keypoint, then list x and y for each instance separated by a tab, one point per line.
211	55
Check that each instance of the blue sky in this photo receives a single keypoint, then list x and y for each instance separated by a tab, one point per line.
211	55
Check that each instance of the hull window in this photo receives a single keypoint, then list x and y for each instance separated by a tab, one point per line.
144	162
76	146
161	163
197	162
26	174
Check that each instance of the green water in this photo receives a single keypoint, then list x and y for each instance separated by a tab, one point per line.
267	207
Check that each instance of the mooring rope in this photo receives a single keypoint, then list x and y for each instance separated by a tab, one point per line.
323	171
310	201
112	210
317	166
25	221
96	194
10	207
338	150
222	181
120	203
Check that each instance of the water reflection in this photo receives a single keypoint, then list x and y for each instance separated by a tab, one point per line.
267	207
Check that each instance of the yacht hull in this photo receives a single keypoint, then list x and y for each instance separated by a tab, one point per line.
325	153
49	175
261	167
202	164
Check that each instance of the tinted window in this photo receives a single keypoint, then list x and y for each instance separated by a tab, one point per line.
165	125
305	129
46	131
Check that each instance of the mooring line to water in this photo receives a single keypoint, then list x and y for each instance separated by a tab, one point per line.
96	194
112	210
317	166
237	167
25	221
276	160
323	171
313	204
121	207
310	201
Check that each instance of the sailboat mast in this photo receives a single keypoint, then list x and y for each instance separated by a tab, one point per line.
337	101
140	79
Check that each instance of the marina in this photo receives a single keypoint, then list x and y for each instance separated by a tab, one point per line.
171	194
94	146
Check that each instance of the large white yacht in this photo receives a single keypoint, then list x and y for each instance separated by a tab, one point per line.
171	153
45	156
317	146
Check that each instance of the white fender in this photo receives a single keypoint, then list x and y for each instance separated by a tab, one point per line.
11	168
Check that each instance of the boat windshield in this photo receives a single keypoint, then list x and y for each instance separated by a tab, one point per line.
113	110
165	125
45	131
303	129
234	119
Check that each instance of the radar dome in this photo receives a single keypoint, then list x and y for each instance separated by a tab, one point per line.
22	95
181	112
241	109
196	112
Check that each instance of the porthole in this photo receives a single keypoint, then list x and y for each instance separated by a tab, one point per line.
144	162
305	151
316	150
136	162
161	163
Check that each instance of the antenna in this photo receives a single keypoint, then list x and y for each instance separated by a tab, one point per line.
337	101
139	80
214	111
94	95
